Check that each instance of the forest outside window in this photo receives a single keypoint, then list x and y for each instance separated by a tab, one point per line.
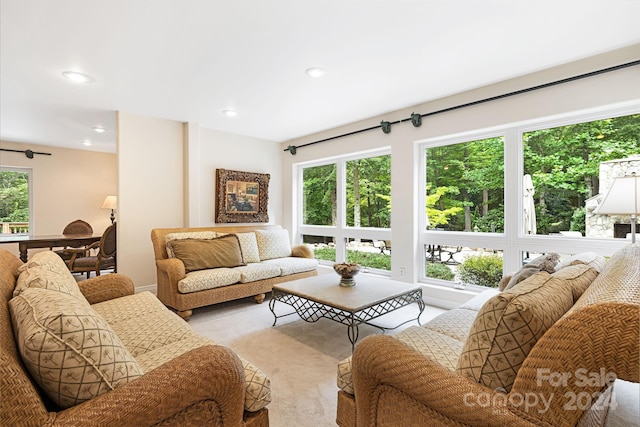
346	210
15	200
558	172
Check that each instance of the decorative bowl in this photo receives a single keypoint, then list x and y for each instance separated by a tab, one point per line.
347	270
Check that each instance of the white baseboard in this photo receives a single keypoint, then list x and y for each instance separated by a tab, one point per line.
149	288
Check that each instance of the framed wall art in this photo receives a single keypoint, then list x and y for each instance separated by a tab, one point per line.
241	196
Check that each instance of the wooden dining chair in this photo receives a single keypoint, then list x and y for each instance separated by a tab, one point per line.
83	262
74	227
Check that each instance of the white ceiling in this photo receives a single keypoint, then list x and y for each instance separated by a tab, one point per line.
188	60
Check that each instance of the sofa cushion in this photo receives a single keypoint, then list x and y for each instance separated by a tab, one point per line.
154	335
208	279
273	244
47	270
590	258
68	348
258	271
292	265
201	254
509	325
186	235
545	262
249	246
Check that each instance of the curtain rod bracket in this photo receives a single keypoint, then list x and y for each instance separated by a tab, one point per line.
292	149
386	126
416	119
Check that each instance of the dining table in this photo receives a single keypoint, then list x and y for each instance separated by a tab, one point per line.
27	241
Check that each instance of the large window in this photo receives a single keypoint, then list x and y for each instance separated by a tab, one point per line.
15	197
493	201
346	210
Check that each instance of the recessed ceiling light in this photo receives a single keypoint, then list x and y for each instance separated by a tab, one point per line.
99	129
315	72
77	77
86	142
229	112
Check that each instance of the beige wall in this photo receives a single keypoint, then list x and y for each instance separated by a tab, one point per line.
167	179
150	189
598	91
221	150
68	185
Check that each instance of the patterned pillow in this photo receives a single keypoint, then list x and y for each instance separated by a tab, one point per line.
48	271
273	244
186	235
249	246
68	348
509	325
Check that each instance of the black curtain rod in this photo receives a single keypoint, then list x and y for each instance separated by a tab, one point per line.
293	148
27	152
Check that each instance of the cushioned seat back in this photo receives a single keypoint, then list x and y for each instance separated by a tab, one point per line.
619	281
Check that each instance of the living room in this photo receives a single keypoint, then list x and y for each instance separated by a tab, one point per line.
163	169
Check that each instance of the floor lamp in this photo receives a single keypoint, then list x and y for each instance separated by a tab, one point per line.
623	198
111	202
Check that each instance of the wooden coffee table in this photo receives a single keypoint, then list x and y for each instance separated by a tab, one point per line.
321	296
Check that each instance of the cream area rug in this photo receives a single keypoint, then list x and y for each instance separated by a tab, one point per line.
300	358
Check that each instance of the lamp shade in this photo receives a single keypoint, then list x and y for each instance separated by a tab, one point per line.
111	202
623	198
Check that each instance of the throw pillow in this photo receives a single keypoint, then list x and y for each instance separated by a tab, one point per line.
249	246
69	349
545	262
273	244
47	270
186	235
578	277
198	254
509	325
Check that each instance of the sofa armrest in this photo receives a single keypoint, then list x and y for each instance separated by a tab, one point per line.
301	251
391	378
207	377
103	288
172	268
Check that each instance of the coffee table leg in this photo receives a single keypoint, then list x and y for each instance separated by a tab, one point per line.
352	332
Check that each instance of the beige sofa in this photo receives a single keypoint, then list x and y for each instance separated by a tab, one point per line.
268	257
94	353
543	352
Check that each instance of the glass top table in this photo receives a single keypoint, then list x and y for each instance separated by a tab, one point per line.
321	296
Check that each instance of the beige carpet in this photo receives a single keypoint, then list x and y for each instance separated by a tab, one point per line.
300	358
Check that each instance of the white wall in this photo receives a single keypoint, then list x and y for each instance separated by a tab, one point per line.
68	185
598	91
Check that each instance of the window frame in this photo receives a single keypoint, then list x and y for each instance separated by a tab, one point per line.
513	242
340	231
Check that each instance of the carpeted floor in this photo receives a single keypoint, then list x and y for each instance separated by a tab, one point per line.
300	358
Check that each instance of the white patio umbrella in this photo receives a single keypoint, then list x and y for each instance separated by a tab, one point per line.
528	206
